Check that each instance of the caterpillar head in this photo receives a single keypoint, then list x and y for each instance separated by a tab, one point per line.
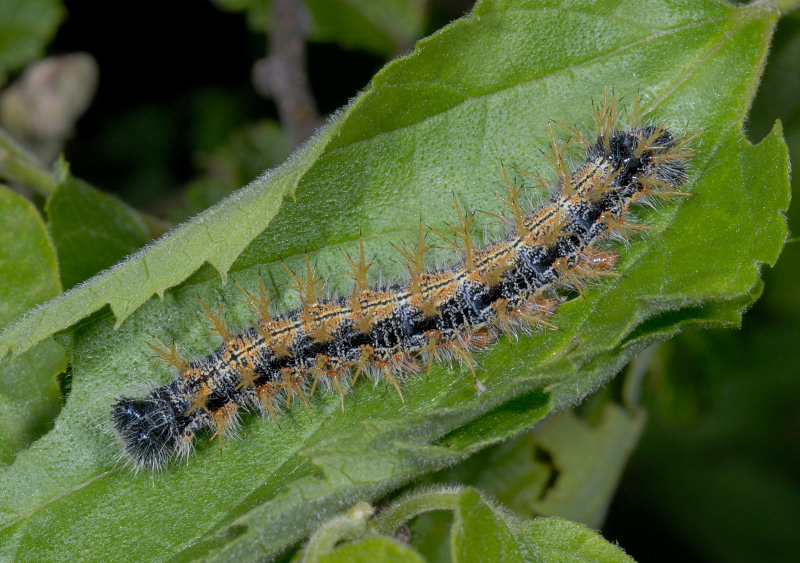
148	429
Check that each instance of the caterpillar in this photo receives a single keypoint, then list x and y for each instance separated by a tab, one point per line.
398	329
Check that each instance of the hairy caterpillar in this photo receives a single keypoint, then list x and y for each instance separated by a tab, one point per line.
399	329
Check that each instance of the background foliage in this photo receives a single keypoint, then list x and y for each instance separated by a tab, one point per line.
715	471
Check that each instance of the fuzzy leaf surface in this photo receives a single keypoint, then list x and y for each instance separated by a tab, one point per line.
554	539
431	125
481	532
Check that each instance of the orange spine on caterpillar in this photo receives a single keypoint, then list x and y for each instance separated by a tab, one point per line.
400	329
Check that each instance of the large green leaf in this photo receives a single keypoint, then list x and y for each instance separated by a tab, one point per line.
432	125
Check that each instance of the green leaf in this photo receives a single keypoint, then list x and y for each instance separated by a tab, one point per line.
552	540
431	125
479	534
384	27
787	5
589	461
721	442
28	265
26	26
483	532
29	392
567	467
216	237
30	396
372	550
91	230
259	12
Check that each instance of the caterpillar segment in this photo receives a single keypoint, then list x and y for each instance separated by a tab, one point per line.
397	330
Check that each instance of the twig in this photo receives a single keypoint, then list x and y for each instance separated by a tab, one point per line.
282	74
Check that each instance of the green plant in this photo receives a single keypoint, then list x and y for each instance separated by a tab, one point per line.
434	123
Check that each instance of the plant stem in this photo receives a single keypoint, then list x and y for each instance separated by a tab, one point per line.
406	508
343	527
17	164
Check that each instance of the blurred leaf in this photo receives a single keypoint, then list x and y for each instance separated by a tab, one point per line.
26	26
588	460
703	484
483	533
29	391
91	230
738	457
482	89
247	152
430	535
258	12
384	27
566	467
